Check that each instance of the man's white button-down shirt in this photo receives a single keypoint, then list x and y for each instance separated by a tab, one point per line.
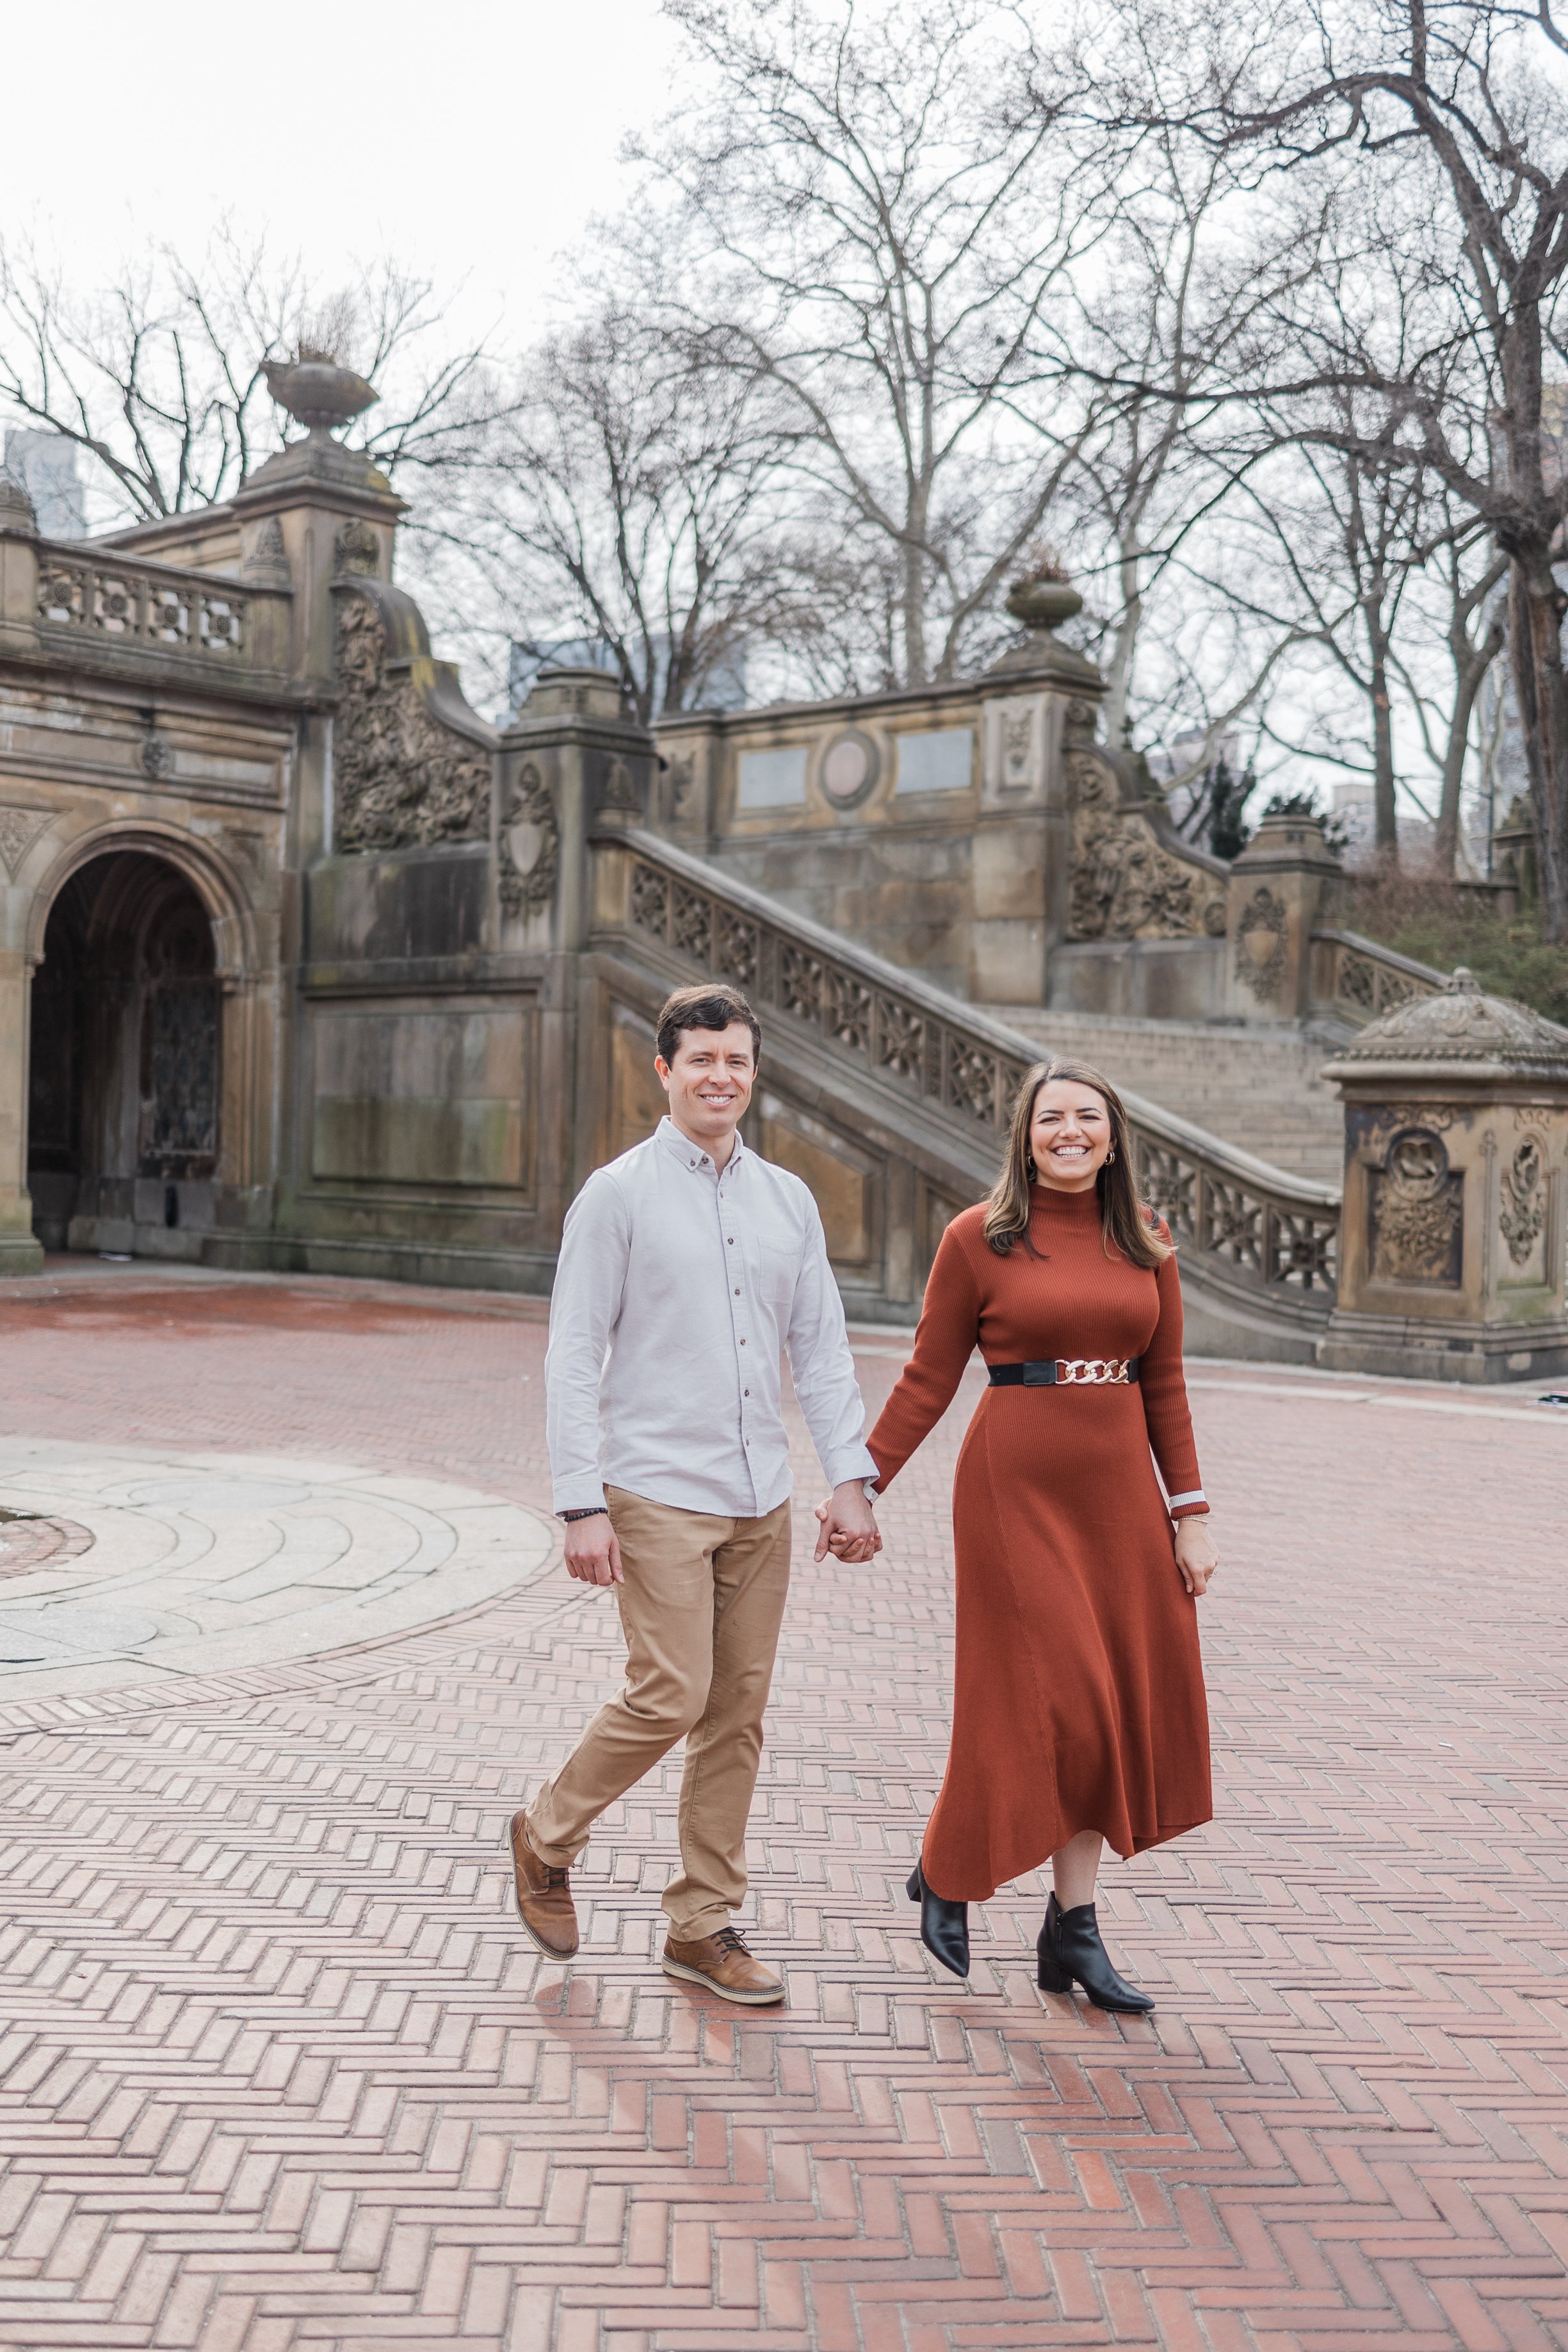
677	1289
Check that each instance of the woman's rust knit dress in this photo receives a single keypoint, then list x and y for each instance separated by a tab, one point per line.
1078	1688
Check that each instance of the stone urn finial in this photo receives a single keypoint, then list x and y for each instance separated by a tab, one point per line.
318	393
1044	600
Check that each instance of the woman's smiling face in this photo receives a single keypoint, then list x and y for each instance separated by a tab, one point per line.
1069	1135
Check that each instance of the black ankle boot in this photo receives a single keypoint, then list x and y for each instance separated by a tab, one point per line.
944	1926
1070	1950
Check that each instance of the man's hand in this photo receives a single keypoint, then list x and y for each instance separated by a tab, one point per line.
592	1553
1195	1554
847	1526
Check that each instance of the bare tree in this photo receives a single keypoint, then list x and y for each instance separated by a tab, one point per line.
633	496
159	378
1464	102
880	221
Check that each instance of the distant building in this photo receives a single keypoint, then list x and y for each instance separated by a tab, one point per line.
44	465
723	688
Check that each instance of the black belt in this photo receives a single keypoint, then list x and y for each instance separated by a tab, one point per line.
1067	1371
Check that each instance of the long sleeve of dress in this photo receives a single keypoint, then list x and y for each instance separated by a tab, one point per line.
1165	1406
943	1342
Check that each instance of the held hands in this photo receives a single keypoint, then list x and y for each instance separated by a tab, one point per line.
592	1554
847	1526
1196	1555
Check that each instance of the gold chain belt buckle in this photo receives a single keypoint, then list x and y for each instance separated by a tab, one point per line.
1091	1372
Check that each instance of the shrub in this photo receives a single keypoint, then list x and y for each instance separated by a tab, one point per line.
1439	924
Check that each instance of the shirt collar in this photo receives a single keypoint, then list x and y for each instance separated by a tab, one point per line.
690	1154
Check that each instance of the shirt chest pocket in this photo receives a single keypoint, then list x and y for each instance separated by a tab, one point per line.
774	1272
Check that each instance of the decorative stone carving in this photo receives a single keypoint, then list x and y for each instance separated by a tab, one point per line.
1126	884
1262	937
157	757
400	777
619	790
1418	1212
529	844
1523	1201
356	552
266	563
683	780
1484	1035
19	828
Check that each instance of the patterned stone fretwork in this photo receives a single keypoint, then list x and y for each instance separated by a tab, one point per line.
19	828
1523	1201
1261	938
1369	981
529	857
189	613
400	777
1126	884
1281	1240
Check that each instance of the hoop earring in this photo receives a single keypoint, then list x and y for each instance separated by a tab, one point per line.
1111	1155
1030	1170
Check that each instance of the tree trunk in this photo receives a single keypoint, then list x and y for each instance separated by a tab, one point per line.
1536	605
1467	686
1384	811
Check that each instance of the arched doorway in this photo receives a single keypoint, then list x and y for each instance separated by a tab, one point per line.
122	1130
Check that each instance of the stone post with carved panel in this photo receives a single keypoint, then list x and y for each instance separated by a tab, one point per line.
572	764
1454	1244
1284	883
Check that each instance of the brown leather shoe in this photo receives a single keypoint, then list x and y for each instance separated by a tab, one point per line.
544	1899
722	1964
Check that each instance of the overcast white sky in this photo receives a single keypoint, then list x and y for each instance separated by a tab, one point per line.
472	139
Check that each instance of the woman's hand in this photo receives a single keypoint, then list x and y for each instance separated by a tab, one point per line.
1196	1555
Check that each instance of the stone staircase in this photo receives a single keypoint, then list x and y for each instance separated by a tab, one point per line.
1258	1088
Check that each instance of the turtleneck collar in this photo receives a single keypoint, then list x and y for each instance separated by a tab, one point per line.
1080	1207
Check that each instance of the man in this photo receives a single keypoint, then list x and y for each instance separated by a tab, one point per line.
686	1266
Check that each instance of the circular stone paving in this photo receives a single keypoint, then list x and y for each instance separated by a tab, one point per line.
122	1565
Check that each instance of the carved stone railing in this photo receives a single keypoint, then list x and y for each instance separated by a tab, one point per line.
1262	1235
1360	978
157	605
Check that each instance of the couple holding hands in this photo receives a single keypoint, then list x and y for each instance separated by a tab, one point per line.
687	1267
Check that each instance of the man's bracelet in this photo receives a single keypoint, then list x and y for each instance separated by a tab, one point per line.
594	1511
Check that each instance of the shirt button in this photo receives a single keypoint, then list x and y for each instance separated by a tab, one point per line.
743	1343
737	1290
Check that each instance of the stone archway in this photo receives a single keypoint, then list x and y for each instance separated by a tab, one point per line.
125	1093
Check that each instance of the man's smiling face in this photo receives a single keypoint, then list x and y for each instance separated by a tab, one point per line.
709	1083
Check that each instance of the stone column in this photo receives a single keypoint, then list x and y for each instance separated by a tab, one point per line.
1280	887
1454	1244
19	1253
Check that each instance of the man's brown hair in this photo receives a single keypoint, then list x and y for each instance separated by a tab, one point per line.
710	1004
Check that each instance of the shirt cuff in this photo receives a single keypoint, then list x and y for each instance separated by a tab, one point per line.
579	1493
852	1461
1187	1507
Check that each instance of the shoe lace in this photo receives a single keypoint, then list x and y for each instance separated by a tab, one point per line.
730	1940
554	1880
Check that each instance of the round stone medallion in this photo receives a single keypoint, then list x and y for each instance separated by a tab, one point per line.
850	767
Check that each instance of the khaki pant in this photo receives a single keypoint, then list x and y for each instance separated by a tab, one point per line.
700	1608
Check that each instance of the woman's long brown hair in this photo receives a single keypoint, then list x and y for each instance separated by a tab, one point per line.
1128	1221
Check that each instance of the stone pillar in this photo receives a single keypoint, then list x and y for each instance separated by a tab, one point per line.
1454	1244
571	765
19	1253
1281	888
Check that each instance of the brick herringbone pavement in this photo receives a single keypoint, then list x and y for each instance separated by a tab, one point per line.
277	2069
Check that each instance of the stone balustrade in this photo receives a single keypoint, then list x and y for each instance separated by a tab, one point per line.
1360	978
157	605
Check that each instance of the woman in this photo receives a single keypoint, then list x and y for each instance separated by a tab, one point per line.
1079	1712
